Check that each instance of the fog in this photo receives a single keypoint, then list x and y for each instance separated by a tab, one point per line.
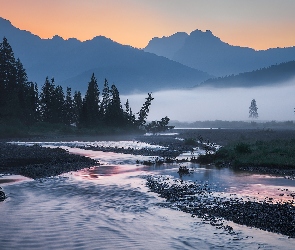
231	104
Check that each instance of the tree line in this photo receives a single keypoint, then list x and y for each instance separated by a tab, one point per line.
20	101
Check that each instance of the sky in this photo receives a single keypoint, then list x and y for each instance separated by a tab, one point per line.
259	24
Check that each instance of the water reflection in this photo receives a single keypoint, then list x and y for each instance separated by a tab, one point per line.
10	179
224	180
109	206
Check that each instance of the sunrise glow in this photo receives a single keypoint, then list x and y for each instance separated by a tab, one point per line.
132	22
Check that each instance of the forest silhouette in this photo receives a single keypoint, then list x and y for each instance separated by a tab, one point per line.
23	106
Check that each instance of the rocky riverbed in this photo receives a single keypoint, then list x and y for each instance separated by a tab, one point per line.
39	162
194	198
199	200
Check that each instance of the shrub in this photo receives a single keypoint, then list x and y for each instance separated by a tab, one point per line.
243	148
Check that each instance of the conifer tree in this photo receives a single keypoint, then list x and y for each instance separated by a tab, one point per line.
24	95
105	100
90	108
129	117
253	110
32	103
47	101
68	107
143	113
77	107
8	88
58	105
114	113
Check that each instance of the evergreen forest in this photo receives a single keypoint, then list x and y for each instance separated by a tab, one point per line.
26	110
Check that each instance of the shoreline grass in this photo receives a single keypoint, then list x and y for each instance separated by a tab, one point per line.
279	153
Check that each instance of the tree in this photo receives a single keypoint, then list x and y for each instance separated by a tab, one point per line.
143	113
129	116
105	99
18	97
58	105
253	110
29	101
77	106
47	101
68	107
90	108
9	105
114	114
158	126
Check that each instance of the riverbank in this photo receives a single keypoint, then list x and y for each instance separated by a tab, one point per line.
259	151
198	200
36	162
39	162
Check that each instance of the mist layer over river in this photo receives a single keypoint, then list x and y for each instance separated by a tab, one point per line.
110	207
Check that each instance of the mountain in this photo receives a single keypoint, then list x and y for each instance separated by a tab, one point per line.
167	46
274	74
72	62
204	51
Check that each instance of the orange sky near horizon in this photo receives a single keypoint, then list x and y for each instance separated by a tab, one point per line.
259	24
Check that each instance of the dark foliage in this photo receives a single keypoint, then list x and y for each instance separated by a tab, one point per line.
263	76
21	104
253	113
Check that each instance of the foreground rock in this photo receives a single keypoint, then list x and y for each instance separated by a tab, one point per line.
2	195
198	199
39	162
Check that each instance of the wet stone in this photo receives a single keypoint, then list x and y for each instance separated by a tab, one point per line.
199	200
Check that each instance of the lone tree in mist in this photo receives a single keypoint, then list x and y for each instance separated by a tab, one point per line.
253	110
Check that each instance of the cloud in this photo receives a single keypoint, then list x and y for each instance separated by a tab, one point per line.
232	104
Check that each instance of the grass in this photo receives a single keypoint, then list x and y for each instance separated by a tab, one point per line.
272	154
41	129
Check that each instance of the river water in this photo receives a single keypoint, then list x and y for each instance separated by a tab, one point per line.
109	207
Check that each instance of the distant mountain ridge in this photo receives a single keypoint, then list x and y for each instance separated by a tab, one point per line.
204	51
274	74
71	62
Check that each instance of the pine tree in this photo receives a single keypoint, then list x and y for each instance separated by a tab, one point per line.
105	100
114	114
24	92
68	107
143	113
32	104
58	105
47	101
129	117
90	108
21	75
9	105
253	110
77	107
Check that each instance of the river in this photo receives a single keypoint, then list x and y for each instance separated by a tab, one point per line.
109	207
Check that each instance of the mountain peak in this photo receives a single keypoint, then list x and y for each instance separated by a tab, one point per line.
201	32
166	46
203	36
57	38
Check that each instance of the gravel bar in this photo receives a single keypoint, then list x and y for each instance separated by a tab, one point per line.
39	162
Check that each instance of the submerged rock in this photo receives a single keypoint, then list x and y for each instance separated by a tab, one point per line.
2	195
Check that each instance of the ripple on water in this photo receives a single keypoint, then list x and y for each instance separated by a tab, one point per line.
67	213
109	207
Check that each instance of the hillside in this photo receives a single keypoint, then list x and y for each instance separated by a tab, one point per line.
71	62
204	51
274	74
